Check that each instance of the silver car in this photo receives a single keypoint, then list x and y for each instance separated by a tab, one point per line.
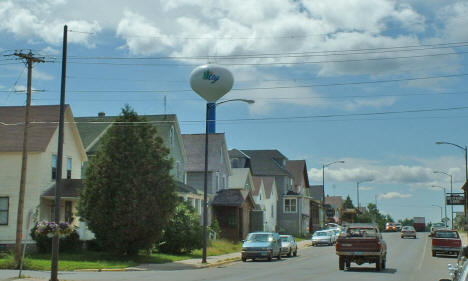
322	237
288	245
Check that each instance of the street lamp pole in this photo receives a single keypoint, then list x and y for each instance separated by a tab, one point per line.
445	201
465	192
357	189
451	193
323	185
434	205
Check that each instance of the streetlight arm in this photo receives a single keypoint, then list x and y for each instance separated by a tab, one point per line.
444	142
329	164
242	100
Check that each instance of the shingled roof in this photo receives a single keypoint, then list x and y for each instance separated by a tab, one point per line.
195	148
93	128
267	162
69	188
232	197
40	134
298	169
316	192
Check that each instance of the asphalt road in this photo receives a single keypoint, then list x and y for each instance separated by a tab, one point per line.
407	260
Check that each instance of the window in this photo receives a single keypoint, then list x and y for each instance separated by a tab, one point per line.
4	206
290	205
68	212
54	166
177	167
272	211
217	181
260	195
223	185
69	167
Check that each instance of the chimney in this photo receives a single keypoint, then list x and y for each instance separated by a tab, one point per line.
101	114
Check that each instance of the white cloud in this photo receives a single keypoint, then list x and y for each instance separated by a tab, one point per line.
365	188
393	195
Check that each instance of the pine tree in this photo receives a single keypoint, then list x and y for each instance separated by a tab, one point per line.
129	193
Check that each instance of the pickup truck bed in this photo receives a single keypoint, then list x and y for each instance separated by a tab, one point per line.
446	241
361	245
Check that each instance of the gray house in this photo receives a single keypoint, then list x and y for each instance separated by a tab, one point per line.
293	207
219	167
93	128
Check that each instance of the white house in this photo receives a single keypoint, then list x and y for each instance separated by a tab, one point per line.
266	196
41	169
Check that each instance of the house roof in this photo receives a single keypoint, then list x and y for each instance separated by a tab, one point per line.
316	192
39	134
236	153
93	128
69	188
257	185
185	188
232	197
239	177
298	169
465	186
195	148
267	185
335	201
266	162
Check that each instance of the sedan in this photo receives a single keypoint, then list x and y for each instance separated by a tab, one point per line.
322	237
288	245
408	231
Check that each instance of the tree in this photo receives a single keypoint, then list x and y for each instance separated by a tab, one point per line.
128	193
348	203
183	233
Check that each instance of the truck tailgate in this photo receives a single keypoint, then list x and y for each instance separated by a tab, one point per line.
358	244
446	242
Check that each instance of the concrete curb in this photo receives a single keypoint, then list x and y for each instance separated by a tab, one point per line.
111	269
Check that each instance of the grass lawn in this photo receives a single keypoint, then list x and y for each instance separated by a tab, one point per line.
299	239
102	260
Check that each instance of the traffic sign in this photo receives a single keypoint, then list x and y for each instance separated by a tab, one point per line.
455	199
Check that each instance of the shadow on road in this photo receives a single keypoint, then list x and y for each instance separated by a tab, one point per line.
372	270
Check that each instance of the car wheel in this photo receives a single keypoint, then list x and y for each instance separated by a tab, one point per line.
270	256
378	264
290	251
279	255
434	254
348	264
341	263
244	259
384	263
295	253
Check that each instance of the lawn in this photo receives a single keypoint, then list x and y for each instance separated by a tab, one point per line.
102	260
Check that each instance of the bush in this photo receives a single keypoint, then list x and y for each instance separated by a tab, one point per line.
184	233
67	244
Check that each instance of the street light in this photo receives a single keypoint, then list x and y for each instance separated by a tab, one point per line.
323	184
357	188
451	206
211	82
465	193
434	205
212	112
445	201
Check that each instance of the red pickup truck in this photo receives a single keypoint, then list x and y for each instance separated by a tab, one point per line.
361	244
446	241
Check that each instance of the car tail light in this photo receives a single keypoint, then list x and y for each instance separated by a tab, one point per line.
379	246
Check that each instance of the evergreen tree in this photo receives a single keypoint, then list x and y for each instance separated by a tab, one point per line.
348	203
129	193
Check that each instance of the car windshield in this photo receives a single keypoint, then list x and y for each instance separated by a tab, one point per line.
259	237
446	234
407	228
284	239
362	232
321	233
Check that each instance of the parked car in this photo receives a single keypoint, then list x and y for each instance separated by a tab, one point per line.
322	237
446	241
361	244
288	245
333	235
337	233
436	226
459	271
408	231
261	245
333	226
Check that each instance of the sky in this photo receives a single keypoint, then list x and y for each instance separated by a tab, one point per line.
374	83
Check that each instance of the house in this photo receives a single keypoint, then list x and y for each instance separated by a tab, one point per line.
318	216
219	167
266	197
41	169
336	203
298	169
232	208
92	129
291	208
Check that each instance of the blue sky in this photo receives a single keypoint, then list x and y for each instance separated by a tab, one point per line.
331	80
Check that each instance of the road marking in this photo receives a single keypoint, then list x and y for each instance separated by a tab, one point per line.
423	255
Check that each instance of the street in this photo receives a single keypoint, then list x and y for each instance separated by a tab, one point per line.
407	260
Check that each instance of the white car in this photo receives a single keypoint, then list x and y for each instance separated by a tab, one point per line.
322	237
333	234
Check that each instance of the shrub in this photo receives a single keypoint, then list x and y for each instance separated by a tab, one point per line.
68	244
184	233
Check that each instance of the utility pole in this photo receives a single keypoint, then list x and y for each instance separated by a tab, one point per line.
29	58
